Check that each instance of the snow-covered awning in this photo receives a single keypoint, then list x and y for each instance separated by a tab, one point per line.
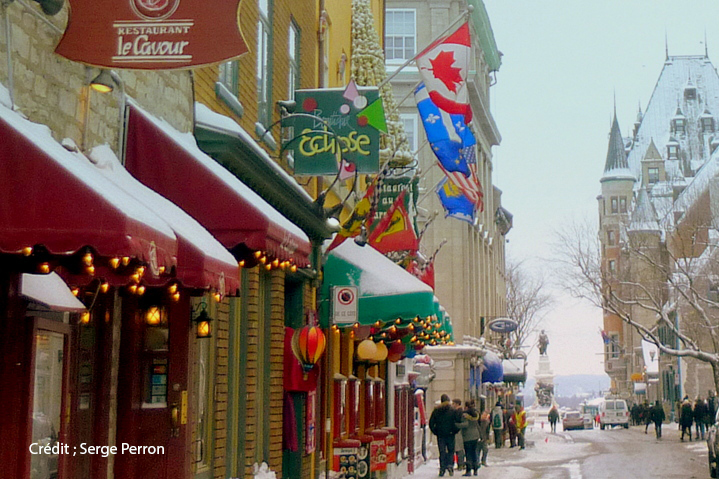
52	198
386	291
202	262
50	291
172	164
514	370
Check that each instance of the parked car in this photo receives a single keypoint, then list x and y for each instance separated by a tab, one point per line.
613	412
713	445
572	420
589	412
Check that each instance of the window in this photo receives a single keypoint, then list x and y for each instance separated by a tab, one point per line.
615	204
400	36
611	238
229	73
294	54
410	128
653	174
673	151
679	125
612	266
613	346
264	28
622	204
707	124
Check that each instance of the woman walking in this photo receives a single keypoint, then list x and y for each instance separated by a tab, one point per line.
470	436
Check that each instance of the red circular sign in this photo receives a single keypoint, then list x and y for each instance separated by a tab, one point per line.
154	9
345	296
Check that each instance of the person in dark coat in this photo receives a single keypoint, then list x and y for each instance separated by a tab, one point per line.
687	418
636	410
483	445
470	436
443	424
553	417
657	416
646	414
700	413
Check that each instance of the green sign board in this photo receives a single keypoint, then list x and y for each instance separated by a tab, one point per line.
356	116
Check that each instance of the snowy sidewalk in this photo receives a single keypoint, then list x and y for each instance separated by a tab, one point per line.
542	446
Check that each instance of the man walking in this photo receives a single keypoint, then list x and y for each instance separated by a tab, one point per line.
483	444
657	416
553	417
497	424
687	417
443	424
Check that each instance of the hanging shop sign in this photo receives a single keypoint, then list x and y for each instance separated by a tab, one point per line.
152	34
336	124
503	325
344	304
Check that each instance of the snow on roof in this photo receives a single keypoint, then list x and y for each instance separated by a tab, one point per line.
104	159
189	144
51	291
662	107
644	217
380	276
79	167
699	185
207	117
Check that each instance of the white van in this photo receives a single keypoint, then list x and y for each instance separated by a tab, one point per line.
613	412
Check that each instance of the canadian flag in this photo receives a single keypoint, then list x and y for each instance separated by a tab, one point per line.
443	67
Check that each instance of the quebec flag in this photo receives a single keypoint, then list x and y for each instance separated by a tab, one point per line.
448	134
455	203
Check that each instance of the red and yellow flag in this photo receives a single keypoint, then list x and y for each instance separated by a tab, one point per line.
394	232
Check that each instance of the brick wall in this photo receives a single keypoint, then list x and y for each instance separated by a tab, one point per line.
51	90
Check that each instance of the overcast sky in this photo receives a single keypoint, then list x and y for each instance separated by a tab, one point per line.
553	102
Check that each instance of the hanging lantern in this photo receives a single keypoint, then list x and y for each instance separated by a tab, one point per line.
395	351
381	353
366	350
308	344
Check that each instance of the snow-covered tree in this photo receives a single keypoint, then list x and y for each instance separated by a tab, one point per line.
527	302
368	69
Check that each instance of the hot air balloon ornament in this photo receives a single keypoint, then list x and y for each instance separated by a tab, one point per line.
308	344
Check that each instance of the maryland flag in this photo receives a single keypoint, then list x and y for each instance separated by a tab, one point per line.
394	232
362	214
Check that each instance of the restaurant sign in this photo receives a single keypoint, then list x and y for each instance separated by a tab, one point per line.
334	124
152	34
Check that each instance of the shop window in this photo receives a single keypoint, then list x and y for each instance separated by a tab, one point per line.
653	175
264	73
400	34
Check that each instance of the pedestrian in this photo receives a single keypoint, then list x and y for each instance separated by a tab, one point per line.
646	415
553	417
711	410
700	413
687	418
458	440
657	416
443	424
510	426
520	422
483	445
635	414
497	424
470	436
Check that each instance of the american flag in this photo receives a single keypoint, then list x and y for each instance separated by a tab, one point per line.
470	185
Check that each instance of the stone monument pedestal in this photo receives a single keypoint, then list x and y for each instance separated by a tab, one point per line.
544	389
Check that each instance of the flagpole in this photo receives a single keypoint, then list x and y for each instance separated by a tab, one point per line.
410	93
463	16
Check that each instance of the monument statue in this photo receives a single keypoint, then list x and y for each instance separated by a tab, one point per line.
543	343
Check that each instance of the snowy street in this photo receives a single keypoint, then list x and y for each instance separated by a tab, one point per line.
592	454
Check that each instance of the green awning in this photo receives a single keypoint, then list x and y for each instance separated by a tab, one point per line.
386	291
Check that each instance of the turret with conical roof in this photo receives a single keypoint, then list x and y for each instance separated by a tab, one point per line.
644	218
616	166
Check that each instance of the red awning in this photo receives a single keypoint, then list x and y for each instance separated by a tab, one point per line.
202	262
53	198
170	163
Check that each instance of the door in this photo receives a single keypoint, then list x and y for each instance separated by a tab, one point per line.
50	401
152	388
